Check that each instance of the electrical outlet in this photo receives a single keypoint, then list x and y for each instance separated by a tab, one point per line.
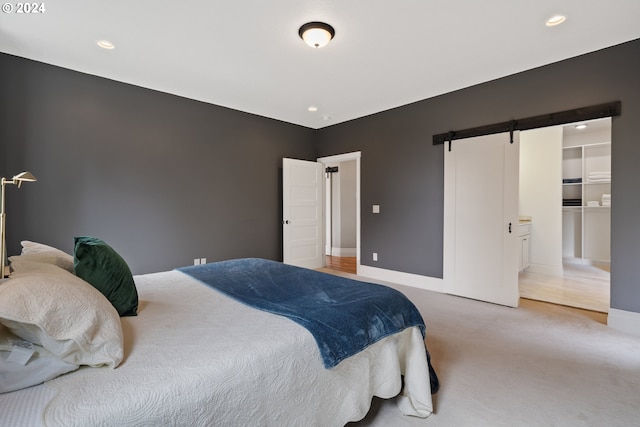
375	256
203	260
376	209
196	261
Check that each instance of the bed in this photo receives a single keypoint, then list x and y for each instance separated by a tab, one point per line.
199	356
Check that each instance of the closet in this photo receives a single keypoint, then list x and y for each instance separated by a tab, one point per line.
586	195
565	187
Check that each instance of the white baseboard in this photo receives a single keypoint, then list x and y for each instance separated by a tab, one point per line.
408	279
351	252
624	321
584	261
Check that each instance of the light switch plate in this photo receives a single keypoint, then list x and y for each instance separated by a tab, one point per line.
376	208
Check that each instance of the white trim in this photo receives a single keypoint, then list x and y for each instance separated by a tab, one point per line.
408	279
327	215
350	252
624	321
338	158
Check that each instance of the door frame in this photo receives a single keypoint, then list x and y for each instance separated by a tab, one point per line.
356	155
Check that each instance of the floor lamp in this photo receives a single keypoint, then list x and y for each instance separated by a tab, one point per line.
16	180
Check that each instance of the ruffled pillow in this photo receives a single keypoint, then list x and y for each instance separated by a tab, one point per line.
39	252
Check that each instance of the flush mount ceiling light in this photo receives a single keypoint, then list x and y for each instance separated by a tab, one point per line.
316	34
581	126
312	108
106	44
556	20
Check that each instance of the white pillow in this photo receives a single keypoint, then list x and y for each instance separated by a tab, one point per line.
44	253
64	314
43	366
21	264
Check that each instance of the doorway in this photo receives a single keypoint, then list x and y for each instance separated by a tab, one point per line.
570	244
342	212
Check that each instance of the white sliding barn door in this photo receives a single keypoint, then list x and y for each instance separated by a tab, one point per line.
481	218
302	204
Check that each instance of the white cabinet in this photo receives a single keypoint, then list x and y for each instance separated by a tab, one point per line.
524	239
586	202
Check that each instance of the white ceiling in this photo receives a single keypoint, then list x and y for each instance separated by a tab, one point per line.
593	126
247	55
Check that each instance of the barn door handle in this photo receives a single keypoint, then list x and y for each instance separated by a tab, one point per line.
509	228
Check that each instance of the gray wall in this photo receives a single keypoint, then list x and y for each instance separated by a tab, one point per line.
161	178
403	172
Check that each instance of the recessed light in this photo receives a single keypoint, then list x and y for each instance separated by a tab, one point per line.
581	126
556	20
326	118
312	108
106	44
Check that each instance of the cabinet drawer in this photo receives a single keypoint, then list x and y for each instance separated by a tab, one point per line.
524	229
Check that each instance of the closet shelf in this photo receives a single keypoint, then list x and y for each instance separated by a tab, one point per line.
586	171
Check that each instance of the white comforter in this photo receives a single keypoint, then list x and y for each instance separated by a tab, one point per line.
194	357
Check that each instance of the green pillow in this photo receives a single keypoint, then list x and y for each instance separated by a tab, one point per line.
101	266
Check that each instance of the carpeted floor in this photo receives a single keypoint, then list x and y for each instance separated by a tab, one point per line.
537	365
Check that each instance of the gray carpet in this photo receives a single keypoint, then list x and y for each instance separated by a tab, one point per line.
537	365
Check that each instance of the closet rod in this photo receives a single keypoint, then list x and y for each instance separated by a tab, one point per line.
610	109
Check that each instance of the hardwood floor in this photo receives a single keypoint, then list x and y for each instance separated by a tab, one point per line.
581	286
344	264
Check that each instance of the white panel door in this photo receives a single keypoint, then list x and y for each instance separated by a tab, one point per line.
481	219
302	204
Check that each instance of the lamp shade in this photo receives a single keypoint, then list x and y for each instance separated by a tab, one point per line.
316	34
25	176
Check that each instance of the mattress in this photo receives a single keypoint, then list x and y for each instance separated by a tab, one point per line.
196	357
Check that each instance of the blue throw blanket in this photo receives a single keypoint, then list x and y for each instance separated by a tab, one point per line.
343	315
